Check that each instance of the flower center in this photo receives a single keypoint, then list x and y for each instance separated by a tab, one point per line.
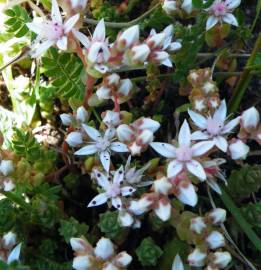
113	191
219	9
102	144
184	153
54	30
214	127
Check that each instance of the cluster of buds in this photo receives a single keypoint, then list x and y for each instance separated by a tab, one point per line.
138	135
6	169
204	95
101	257
209	241
115	88
9	250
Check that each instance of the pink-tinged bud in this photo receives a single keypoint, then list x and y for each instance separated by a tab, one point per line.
197	225
104	248
125	219
147	123
221	259
9	240
6	167
125	87
81	262
124	133
145	137
74	139
250	119
123	259
128	38
218	216
66	119
163	211
111	118
238	150
215	240
139	207
156	40
135	149
187	194
81	114
79	244
109	266
162	186
169	6
112	79
103	93
140	53
197	258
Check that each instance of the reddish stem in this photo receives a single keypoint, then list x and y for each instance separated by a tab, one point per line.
116	103
88	90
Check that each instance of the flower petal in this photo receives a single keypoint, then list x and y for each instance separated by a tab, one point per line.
118	176
116	202
99	32
163	211
86	150
101	179
43	47
105	160
198	119
62	43
165	149
177	263
128	190
232	4
98	200
221	113
187	194
230	19
69	24
82	38
199	135
56	14
211	22
109	133
195	168
119	147
148	123
15	253
92	132
184	134
221	143
124	133
36	27
231	125
174	168
201	148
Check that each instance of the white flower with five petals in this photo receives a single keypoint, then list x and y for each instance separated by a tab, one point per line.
102	145
51	32
214	127
184	154
221	11
113	190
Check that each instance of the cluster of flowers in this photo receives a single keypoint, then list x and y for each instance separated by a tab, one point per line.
209	241
6	169
102	257
9	250
220	10
98	55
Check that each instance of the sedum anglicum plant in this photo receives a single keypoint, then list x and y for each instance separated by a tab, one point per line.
124	140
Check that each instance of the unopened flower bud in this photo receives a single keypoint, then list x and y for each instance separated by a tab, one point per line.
250	118
78	244
169	6
197	225
145	137
111	118
187	194
187	6
162	186
163	211
215	240
109	266
221	259
156	40
104	248
103	92
125	87
197	258
124	133
123	259
81	262
128	38
238	150
6	167
78	4
66	119
9	240
8	185
218	215
140	53
112	79
125	219
74	139
81	114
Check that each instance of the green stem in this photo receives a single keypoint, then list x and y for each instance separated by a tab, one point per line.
124	24
18	200
244	79
258	9
243	224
